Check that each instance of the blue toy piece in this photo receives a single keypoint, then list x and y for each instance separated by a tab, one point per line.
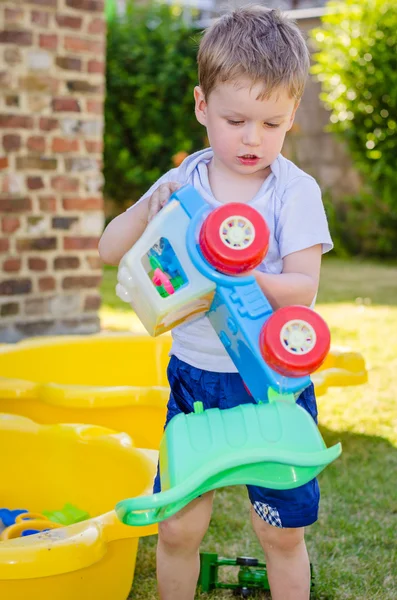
7	516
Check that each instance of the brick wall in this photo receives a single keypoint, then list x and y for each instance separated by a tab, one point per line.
52	56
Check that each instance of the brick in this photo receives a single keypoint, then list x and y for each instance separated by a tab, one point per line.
47	284
13	184
37	225
36	162
35	183
27	244
69	63
47	203
36	143
84	87
65	304
40	18
39	60
69	22
78	44
94	183
80	203
16	121
19	38
11	287
65	145
13	205
92	302
81	282
29	329
87	5
65	184
64	222
3	162
9	309
4	245
94	146
80	243
65	105
37	264
14	15
96	66
13	56
11	142
12	265
97	26
48	124
36	306
48	41
66	262
80	164
47	3
94	262
10	224
95	107
39	83
12	100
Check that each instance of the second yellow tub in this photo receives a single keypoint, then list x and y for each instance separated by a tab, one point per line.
118	381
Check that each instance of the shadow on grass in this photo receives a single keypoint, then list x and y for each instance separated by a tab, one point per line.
352	546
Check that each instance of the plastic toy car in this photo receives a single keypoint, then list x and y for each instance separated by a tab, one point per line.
185	264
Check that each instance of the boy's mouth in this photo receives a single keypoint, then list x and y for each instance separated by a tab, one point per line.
248	159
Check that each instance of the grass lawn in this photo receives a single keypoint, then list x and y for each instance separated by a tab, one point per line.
353	546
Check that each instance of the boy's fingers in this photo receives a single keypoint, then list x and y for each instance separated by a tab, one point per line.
161	197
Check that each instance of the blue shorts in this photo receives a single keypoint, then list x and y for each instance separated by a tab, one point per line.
282	508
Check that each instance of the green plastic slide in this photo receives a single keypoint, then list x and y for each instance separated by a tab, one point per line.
275	445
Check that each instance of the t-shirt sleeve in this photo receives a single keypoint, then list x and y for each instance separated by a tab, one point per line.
302	221
171	175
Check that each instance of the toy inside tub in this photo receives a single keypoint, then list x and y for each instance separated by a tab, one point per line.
61	474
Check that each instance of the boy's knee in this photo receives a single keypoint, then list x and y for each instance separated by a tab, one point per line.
176	534
277	539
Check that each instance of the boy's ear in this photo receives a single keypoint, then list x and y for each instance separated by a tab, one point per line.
200	107
292	119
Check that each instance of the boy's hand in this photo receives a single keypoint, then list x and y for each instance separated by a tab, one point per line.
160	197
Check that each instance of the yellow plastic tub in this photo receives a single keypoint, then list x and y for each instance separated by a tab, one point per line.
117	381
44	467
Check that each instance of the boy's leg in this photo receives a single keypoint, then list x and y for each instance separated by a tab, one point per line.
178	559
287	561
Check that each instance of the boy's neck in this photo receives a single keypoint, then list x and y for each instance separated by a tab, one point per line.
227	186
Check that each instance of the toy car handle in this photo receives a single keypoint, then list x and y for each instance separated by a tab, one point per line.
146	510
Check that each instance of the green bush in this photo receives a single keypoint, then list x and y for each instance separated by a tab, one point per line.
149	108
356	63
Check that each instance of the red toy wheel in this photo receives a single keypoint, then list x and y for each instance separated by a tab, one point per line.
294	341
234	238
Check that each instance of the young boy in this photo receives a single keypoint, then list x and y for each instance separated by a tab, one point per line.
252	63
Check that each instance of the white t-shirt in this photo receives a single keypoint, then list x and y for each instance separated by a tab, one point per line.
290	202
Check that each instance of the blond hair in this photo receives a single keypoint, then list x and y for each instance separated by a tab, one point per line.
256	43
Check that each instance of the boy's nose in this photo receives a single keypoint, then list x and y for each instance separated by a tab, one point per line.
251	136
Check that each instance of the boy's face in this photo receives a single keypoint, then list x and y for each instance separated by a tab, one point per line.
245	134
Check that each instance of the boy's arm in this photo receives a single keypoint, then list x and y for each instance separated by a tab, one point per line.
298	282
122	233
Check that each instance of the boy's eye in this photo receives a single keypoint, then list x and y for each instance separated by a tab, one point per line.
234	122
272	125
